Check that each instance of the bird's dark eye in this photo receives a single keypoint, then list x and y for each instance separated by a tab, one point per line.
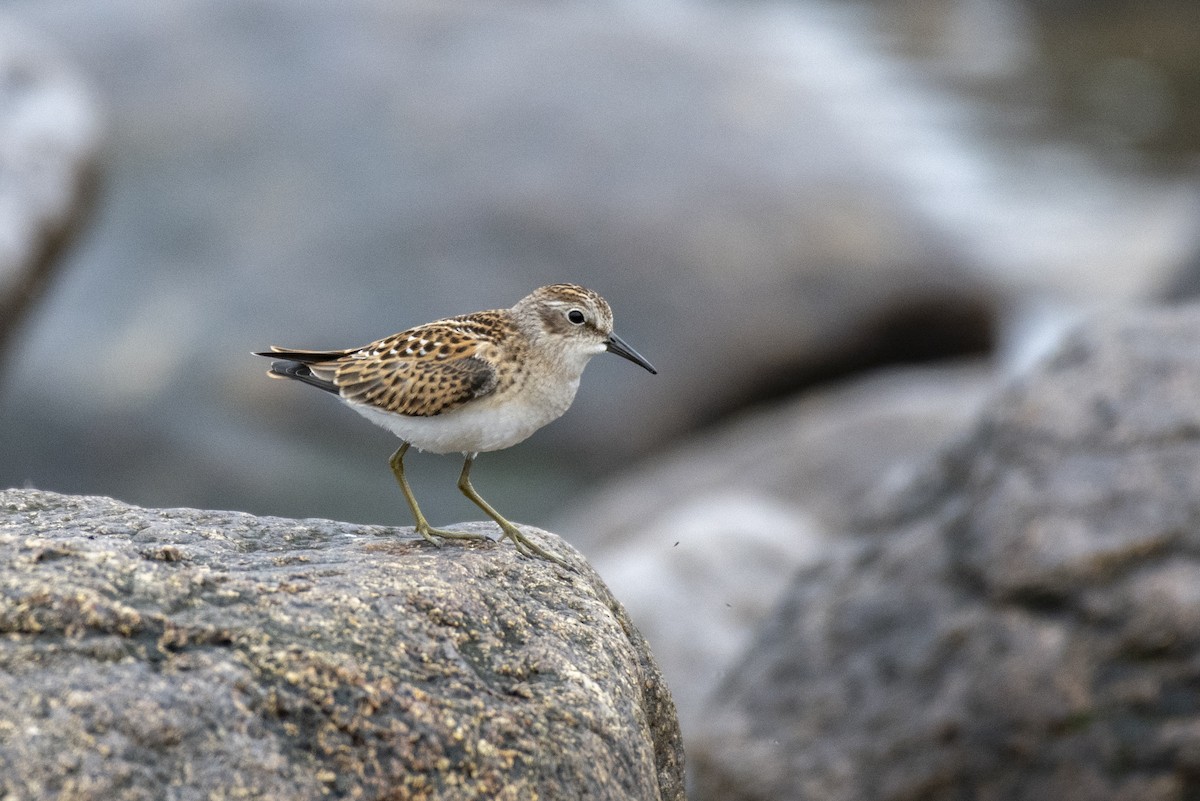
576	316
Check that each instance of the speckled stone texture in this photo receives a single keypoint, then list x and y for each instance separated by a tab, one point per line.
184	654
1019	622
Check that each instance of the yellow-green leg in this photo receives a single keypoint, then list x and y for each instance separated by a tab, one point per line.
423	528
523	544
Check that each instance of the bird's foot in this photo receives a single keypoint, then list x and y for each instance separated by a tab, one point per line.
527	547
432	534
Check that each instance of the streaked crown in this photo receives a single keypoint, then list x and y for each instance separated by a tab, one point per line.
565	310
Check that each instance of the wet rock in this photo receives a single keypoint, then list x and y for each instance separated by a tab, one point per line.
49	141
195	654
1019	622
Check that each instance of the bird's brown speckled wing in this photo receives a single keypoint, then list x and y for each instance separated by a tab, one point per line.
423	371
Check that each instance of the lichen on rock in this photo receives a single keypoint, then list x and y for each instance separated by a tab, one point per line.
220	654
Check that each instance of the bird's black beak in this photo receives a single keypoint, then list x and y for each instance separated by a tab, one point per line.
617	345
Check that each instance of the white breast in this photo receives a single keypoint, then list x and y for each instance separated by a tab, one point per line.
486	424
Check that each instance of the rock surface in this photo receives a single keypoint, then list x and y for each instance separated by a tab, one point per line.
700	543
50	135
1020	622
177	653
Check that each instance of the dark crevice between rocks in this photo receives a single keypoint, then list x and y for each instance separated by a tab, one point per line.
1040	600
1190	788
919	332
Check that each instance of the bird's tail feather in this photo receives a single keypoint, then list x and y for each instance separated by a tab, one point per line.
300	372
302	356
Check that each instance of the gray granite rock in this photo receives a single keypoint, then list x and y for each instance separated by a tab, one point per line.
186	654
50	136
701	542
1019	622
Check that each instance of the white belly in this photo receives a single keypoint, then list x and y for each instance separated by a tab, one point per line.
485	424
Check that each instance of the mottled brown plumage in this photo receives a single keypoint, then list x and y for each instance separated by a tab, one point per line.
426	370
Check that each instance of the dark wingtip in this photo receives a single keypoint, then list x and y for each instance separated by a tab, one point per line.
303	356
299	372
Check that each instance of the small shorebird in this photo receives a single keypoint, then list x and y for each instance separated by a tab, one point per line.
474	383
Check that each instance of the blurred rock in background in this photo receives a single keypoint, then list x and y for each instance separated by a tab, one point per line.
50	139
1019	620
700	542
769	196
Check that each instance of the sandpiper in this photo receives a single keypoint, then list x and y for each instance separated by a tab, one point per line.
469	384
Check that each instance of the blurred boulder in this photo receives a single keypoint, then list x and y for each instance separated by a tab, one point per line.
701	543
767	195
49	143
826	451
1020	622
177	653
